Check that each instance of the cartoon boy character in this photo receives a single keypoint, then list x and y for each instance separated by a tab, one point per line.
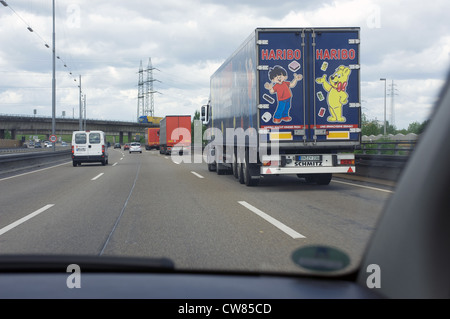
282	88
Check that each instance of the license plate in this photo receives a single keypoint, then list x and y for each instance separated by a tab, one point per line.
309	158
81	149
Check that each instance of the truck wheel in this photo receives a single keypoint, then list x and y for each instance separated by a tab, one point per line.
240	172
249	171
310	178
220	169
235	166
211	167
74	164
323	179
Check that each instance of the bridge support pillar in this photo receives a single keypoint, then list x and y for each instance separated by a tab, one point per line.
13	134
130	137
2	133
121	138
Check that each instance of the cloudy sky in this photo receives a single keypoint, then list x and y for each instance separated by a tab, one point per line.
104	41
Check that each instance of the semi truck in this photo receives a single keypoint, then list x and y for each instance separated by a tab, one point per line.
175	134
152	138
287	101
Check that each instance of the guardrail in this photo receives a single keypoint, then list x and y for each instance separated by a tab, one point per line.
396	148
15	161
383	160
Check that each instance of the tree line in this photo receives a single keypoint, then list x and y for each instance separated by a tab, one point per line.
373	127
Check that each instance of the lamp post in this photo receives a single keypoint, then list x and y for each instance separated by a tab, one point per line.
383	79
53	80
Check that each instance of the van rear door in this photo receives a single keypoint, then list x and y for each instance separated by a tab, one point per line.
80	141
94	145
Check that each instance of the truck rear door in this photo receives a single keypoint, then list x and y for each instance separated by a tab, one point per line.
335	93
309	85
282	89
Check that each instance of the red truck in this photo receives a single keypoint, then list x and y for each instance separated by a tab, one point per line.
152	138
175	132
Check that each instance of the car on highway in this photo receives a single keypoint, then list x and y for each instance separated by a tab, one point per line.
117	145
64	143
89	147
126	146
37	145
135	147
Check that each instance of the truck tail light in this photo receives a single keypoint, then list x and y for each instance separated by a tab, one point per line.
270	163
73	150
103	149
347	162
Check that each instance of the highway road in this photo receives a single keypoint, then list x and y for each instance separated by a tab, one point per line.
147	205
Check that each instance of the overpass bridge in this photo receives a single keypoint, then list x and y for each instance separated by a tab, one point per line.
31	125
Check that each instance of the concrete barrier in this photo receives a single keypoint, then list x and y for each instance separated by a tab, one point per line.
16	161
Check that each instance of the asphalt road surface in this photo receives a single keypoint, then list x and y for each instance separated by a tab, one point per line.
147	205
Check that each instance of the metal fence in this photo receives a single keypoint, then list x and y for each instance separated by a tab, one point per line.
396	148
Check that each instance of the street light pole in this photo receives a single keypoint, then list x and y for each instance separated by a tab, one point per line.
383	79
81	114
53	80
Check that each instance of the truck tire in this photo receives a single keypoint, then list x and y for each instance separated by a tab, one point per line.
74	164
211	167
323	179
249	171
235	166
310	179
220	169
240	172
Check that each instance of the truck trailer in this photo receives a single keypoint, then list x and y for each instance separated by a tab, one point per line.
287	101
152	138
175	134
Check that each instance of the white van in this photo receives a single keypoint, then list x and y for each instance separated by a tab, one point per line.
88	147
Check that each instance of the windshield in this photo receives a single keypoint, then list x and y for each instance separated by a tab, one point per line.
343	89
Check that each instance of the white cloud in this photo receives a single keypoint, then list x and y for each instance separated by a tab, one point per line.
104	41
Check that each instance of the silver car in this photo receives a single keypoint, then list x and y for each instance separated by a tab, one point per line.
135	147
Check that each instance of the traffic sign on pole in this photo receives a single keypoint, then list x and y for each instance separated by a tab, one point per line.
53	138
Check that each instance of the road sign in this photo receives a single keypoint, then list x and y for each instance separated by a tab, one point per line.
53	138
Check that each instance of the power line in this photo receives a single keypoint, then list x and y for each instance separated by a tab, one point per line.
29	28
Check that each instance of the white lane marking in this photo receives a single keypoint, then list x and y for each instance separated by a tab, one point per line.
272	220
93	179
24	219
368	187
39	170
121	158
197	174
166	157
114	164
